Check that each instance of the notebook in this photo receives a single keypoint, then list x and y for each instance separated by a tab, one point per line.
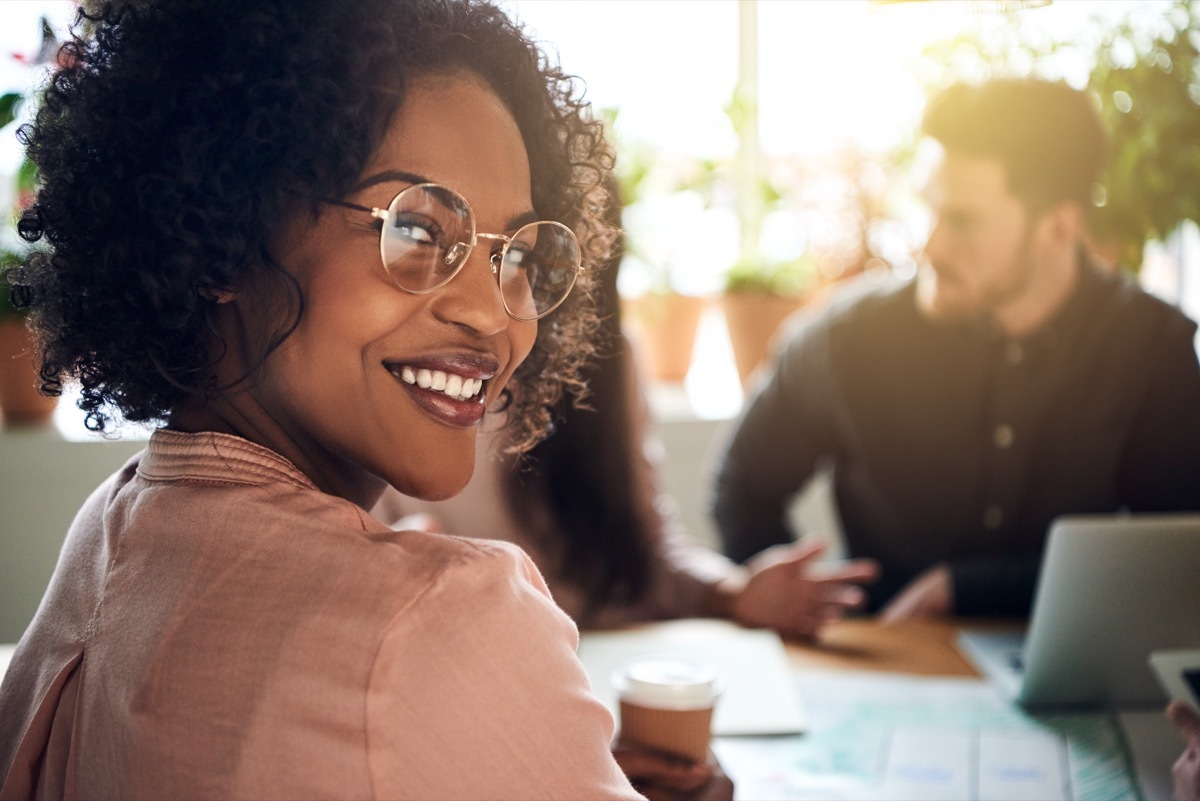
758	695
1111	590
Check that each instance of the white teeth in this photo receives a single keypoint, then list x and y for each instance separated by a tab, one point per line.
454	386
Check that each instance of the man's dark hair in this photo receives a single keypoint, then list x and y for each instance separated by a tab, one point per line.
1047	135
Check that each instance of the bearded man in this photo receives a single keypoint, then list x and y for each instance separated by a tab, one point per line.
1011	381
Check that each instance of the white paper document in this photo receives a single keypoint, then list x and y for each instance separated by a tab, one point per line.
758	694
989	765
884	737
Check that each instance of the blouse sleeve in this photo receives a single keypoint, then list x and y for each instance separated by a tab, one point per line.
477	693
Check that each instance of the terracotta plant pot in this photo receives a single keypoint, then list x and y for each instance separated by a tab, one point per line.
753	320
663	325
20	402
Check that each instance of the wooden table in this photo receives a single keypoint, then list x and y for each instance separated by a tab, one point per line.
920	647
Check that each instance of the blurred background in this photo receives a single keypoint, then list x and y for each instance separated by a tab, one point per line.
766	150
766	147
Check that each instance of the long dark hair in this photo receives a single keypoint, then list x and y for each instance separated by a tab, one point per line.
583	472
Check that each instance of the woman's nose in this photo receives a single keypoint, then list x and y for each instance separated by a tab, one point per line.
472	298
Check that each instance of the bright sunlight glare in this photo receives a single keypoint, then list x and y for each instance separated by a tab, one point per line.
839	82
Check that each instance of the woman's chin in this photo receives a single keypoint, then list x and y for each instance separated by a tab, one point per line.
435	487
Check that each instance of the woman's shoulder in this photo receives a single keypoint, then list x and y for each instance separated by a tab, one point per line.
226	501
460	571
481	656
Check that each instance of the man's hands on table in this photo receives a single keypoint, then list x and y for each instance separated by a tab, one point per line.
786	589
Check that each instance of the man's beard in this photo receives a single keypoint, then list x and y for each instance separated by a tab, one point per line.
987	300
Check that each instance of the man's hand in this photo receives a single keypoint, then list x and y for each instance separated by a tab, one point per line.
785	589
666	777
930	594
1186	770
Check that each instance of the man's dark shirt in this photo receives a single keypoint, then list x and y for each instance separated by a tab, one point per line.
949	442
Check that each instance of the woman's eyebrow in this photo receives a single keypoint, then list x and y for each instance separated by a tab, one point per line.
412	178
522	220
390	176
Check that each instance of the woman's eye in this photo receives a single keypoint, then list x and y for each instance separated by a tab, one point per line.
417	231
518	256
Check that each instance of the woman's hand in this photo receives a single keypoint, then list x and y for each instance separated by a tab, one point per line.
787	590
1186	770
665	777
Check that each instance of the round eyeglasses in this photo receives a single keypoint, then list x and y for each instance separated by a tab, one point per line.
428	231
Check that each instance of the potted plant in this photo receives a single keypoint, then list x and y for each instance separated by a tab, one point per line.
664	323
20	402
759	295
661	321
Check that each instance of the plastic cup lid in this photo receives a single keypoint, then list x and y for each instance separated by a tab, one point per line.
667	684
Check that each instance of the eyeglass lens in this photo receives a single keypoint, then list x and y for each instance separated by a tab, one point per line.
426	240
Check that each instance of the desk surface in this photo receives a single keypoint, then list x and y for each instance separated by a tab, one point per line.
802	767
920	647
856	648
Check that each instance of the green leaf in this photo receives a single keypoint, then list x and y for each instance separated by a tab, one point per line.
786	278
26	176
10	105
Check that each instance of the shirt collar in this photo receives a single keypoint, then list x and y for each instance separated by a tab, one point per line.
210	456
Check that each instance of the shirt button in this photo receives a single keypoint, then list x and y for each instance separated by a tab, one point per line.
1003	436
1014	353
993	516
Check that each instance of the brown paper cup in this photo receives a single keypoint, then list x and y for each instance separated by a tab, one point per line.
667	705
685	732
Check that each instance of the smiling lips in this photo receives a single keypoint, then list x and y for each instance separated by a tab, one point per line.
454	397
455	386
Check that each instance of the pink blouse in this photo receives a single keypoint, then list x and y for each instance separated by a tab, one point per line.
219	628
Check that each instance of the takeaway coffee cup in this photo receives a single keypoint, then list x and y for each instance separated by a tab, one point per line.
667	705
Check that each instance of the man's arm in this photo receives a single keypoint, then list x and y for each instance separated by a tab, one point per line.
1162	455
773	449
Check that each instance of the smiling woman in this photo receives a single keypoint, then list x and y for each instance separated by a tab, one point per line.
232	199
361	328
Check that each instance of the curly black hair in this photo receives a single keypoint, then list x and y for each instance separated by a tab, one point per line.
177	136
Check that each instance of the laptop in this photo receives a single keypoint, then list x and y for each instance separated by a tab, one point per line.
1112	589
